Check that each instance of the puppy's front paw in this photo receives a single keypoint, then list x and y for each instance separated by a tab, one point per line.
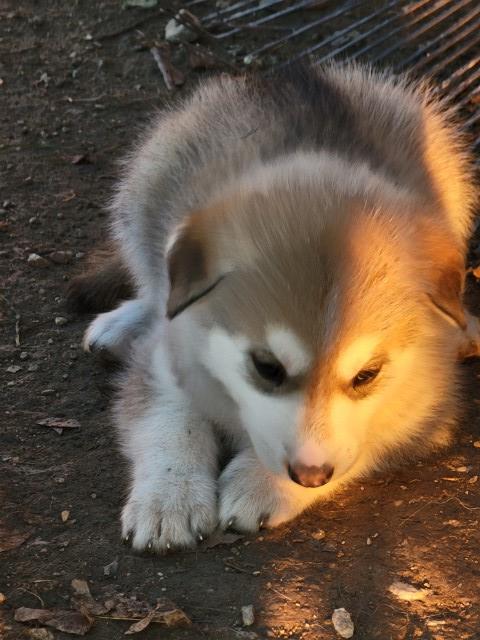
114	331
172	513
252	498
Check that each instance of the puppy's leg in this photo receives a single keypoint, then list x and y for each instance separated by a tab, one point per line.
115	331
469	344
172	500
252	497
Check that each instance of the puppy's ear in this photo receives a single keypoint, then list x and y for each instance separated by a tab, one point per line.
191	269
445	274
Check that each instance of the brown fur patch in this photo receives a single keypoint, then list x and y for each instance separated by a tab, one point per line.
101	285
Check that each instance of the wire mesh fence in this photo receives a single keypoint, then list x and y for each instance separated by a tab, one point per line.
439	39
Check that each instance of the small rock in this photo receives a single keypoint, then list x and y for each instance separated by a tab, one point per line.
111	569
248	617
50	341
405	591
65	515
3	598
32	367
24	355
319	535
37	261
342	623
476	444
61	257
177	32
14	368
473	480
60	321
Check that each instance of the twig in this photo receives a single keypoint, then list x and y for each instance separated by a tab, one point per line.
282	595
171	76
17	330
32	593
68	99
236	567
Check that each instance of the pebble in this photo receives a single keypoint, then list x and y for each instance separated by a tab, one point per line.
60	321
65	515
50	341
177	32
3	598
405	591
476	444
24	355
37	261
342	623
14	368
32	367
248	616
319	535
111	569
61	257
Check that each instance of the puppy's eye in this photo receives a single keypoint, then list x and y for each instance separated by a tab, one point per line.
365	377
269	368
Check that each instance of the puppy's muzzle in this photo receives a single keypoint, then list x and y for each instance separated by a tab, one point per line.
310	476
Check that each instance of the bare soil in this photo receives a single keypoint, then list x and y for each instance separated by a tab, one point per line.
76	84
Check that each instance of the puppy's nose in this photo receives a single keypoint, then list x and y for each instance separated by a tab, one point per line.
310	476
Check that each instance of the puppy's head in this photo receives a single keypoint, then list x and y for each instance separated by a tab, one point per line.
327	318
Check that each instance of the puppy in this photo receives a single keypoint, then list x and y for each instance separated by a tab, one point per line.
297	248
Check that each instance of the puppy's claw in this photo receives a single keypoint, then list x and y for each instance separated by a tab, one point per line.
200	537
168	546
126	539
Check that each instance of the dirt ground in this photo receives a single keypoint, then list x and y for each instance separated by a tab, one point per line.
76	83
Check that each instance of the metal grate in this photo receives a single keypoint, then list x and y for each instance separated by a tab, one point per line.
433	38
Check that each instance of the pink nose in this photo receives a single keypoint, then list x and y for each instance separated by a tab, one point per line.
310	476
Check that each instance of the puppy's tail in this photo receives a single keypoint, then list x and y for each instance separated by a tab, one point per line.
105	281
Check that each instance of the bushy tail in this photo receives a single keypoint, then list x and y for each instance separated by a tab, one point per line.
104	282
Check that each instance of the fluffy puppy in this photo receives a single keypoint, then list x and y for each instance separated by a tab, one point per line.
297	247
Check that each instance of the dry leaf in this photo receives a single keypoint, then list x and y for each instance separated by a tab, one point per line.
80	587
59	423
219	537
67	621
12	539
83	601
142	624
405	591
